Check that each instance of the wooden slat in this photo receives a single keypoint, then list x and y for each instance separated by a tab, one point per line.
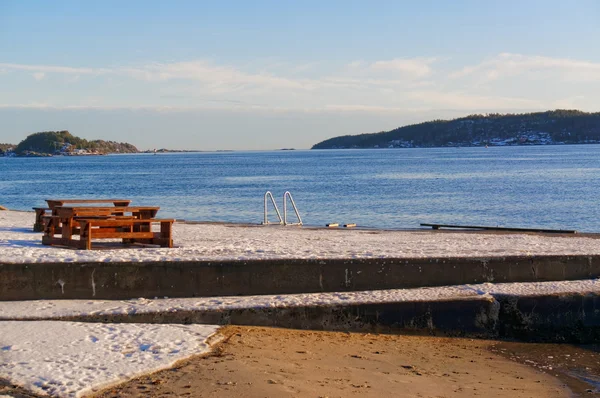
83	214
101	234
123	222
107	208
143	212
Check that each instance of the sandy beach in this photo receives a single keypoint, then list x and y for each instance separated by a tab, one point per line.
264	362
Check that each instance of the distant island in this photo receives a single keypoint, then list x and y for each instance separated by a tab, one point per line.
164	150
51	143
540	128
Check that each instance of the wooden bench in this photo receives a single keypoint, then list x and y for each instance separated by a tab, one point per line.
130	230
132	224
42	214
127	229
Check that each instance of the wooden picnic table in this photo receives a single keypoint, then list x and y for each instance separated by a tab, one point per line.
42	212
132	224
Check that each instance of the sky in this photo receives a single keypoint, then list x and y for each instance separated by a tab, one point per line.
264	75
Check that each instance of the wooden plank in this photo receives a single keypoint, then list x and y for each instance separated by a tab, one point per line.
50	240
559	231
123	222
59	202
101	234
143	212
165	238
107	223
85	242
85	213
108	208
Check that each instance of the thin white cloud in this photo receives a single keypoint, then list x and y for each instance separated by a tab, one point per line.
55	69
226	77
397	69
219	78
39	75
415	67
508	64
32	105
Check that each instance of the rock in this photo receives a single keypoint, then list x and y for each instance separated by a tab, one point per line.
3	208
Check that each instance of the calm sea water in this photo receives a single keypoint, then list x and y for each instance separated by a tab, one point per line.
534	186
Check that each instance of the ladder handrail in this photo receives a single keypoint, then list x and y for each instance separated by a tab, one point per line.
287	194
266	220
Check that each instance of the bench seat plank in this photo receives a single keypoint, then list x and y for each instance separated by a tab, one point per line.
101	234
123	222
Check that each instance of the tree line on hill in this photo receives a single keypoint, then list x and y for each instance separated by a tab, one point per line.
64	143
540	128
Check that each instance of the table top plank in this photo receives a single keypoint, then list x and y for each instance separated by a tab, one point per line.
107	208
59	202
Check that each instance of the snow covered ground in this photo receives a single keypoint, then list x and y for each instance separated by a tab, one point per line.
18	244
69	359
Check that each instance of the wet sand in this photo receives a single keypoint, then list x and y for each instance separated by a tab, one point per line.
577	366
266	362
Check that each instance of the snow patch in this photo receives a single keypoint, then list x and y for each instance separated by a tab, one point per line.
70	359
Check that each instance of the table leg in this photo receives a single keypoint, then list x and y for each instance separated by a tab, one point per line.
85	237
67	231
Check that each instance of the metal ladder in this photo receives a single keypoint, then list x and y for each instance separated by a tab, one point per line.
282	221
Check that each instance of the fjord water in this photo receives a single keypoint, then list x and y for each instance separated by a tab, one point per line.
527	186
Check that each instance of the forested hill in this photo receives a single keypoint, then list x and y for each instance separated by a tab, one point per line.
64	143
541	128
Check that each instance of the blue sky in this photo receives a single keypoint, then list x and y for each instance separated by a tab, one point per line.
273	74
